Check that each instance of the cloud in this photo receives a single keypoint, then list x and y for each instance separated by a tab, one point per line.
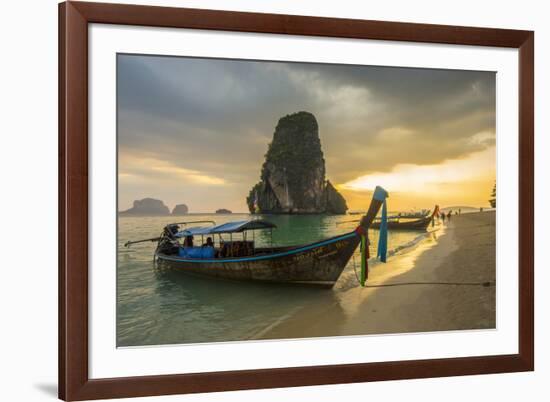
143	167
215	118
411	178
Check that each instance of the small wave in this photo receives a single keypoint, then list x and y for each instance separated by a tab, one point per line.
257	334
349	278
411	243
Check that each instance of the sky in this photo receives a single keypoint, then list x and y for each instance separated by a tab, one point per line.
195	131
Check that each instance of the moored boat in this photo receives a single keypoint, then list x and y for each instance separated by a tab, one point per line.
400	222
318	264
405	224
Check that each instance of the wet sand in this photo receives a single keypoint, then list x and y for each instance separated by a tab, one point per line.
458	258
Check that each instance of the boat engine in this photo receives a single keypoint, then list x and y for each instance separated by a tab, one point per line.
168	243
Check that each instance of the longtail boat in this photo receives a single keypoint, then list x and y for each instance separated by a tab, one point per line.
405	223
319	263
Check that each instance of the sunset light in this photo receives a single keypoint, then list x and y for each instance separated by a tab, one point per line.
408	178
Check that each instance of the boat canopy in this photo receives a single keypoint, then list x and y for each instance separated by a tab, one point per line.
229	227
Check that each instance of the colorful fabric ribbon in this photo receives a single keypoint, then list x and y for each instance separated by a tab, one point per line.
383	239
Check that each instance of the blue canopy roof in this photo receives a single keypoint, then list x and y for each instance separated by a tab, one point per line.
229	227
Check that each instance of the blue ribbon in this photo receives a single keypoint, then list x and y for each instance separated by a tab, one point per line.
383	239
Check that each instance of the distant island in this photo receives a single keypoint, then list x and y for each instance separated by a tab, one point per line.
223	211
180	209
292	179
147	207
153	207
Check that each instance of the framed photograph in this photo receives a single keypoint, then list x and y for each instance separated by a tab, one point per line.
259	200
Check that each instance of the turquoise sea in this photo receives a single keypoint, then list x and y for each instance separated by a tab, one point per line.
157	308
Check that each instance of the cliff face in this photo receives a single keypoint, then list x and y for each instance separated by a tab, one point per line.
335	202
180	209
147	206
293	174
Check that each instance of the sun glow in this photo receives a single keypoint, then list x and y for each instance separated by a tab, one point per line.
454	181
421	178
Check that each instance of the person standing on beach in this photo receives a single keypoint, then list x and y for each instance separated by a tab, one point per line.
449	215
443	217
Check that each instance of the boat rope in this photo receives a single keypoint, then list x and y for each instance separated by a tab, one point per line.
484	284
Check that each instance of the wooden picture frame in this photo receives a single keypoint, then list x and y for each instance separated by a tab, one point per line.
74	381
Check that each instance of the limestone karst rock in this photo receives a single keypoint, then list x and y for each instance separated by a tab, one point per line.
147	206
293	174
335	202
180	209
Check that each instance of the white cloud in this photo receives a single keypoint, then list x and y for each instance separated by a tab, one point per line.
136	167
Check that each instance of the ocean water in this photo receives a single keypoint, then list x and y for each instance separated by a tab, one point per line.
157	308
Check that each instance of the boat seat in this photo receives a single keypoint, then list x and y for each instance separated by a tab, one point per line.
196	252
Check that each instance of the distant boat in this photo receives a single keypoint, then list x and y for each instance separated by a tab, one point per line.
415	214
408	221
318	264
405	224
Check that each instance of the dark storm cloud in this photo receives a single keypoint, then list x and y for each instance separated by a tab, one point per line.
441	109
217	116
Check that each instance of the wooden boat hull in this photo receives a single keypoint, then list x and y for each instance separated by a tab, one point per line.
316	264
417	224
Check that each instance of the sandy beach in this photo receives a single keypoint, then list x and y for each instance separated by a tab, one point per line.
434	286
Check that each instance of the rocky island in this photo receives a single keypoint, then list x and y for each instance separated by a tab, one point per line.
223	211
147	207
180	209
292	179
